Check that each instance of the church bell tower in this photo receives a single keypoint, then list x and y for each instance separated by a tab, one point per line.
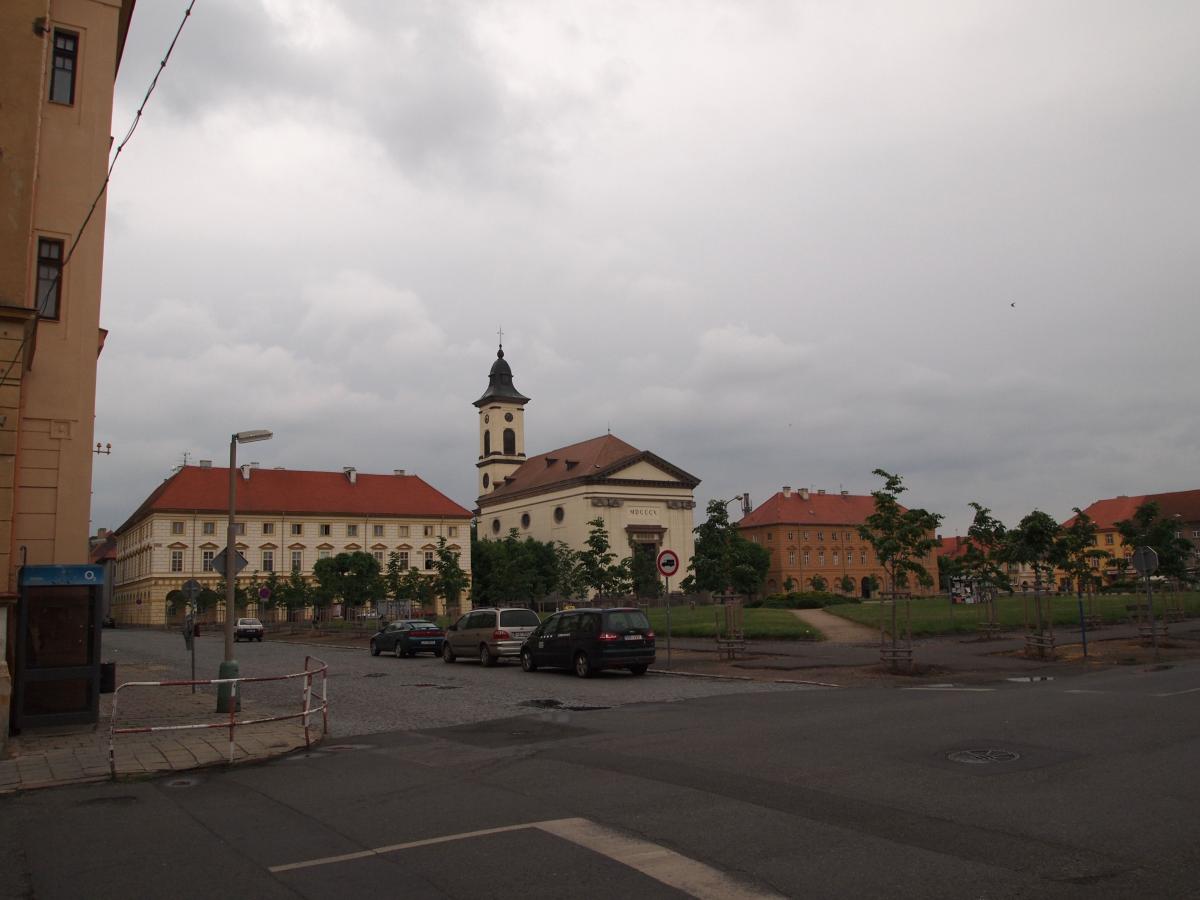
501	427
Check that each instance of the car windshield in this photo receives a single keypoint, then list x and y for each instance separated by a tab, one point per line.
625	619
518	617
423	626
249	622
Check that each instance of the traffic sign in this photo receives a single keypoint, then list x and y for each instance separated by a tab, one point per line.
191	589
264	593
668	563
1144	560
219	561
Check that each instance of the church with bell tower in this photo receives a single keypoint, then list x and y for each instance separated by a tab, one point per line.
646	502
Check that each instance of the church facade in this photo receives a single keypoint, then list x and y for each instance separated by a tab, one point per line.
645	501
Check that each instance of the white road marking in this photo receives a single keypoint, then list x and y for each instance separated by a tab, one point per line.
671	868
663	865
1177	693
1082	691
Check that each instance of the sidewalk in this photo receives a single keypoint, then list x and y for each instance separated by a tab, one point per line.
47	757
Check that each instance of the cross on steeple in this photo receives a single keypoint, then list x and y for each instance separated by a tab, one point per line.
500	334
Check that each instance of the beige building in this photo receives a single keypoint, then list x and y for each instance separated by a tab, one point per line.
58	63
646	502
286	521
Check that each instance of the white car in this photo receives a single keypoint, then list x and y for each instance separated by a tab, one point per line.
248	629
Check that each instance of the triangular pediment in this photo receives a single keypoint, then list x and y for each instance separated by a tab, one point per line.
643	470
353	548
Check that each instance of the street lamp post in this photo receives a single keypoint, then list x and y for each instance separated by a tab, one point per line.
229	666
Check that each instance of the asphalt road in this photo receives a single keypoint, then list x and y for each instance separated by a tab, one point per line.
846	793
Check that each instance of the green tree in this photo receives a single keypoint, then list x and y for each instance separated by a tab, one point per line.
749	563
354	577
643	570
846	584
569	578
723	558
393	575
1077	549
1147	528
986	556
1035	542
294	594
450	579
818	583
417	588
902	538
600	572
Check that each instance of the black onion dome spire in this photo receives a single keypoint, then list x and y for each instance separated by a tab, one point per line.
500	384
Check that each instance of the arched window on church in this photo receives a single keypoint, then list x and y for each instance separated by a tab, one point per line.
487	443
510	442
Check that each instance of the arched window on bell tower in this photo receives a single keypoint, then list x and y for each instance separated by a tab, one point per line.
487	443
510	442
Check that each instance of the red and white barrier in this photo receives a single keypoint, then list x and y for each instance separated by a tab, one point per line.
307	709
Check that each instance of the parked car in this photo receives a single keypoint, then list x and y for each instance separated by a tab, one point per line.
248	630
408	637
489	634
588	640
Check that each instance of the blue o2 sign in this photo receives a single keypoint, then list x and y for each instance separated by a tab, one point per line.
668	563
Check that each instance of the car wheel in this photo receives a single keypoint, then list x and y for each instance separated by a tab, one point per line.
527	662
583	665
374	649
236	638
485	656
400	652
639	669
447	653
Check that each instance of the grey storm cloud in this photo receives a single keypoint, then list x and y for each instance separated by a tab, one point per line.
776	242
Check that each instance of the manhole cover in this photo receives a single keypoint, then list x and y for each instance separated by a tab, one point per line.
182	782
547	703
976	757
376	675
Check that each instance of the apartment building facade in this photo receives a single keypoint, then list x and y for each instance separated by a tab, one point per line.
285	522
814	534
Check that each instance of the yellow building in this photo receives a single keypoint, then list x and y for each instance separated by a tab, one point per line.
645	502
58	63
286	520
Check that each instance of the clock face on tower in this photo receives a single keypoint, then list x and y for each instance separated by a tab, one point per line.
508	417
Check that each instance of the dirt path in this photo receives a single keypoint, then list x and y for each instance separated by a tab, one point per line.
836	629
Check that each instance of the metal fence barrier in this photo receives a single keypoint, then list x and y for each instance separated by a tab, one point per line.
312	667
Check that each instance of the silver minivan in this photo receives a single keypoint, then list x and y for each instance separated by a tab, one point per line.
489	634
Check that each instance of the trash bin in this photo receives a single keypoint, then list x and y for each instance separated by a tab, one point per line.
108	677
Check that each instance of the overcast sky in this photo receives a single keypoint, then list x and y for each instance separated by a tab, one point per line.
773	242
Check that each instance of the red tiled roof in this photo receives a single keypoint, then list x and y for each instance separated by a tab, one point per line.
275	491
953	547
1106	513
587	460
818	509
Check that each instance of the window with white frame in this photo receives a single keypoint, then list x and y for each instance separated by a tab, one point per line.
297	529
268	527
324	529
402	531
806	557
297	560
428	560
268	560
821	558
351	531
323	554
452	530
427	530
377	530
176	528
176	560
378	554
206	560
209	528
239	528
791	557
402	556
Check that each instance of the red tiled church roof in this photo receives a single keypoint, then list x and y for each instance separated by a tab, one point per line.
818	509
587	460
953	547
277	491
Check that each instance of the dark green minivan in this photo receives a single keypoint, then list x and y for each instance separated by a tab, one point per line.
588	640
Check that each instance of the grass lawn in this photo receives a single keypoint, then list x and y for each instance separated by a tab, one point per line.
936	615
761	624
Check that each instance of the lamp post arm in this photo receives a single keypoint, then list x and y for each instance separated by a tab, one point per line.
230	552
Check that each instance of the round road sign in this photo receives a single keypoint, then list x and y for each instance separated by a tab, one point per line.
1145	561
264	593
668	563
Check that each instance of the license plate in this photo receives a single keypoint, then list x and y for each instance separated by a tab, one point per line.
633	637
424	643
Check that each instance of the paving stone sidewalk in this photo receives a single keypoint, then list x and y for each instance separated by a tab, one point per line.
47	757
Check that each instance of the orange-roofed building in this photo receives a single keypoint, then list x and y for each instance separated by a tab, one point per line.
286	521
1181	506
814	533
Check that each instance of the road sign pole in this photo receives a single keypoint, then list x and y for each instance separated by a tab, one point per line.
668	564
1150	605
227	699
667	578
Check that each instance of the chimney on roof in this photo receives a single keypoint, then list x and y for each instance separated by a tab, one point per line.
803	493
246	467
399	472
820	490
845	493
787	491
206	463
351	474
